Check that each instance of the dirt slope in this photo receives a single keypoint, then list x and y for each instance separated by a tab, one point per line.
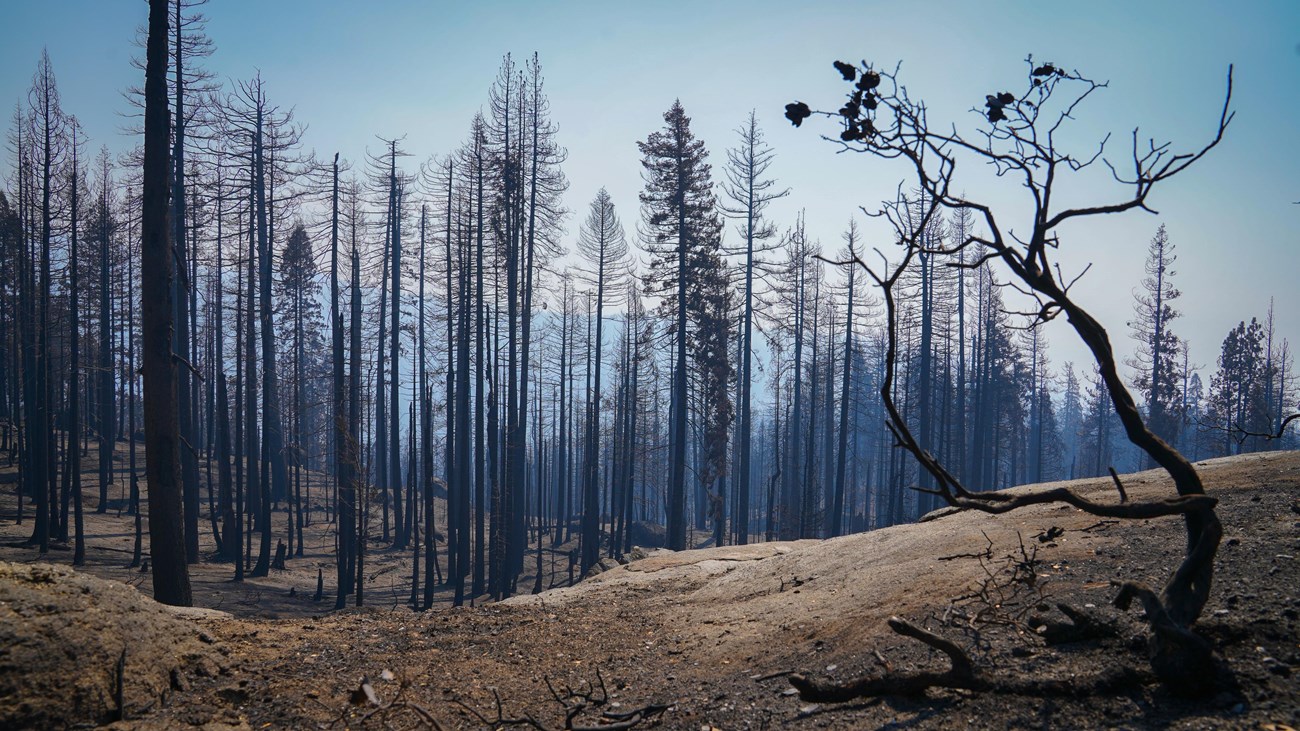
709	633
70	641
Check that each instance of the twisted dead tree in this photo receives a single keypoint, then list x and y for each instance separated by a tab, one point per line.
1018	137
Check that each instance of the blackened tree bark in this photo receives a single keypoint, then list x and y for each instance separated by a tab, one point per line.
960	226
750	193
180	297
171	579
133	473
49	128
344	522
394	480
502	102
563	506
449	447
257	492
74	358
346	404
432	568
480	369
808	458
846	381
461	477
711	317
25	313
381	398
423	476
354	489
298	279
272	422
795	293
243	495
603	246
107	400
231	535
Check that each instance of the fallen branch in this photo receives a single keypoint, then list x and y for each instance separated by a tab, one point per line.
1240	434
574	702
962	675
987	553
1010	589
1114	476
500	721
620	721
1082	627
999	503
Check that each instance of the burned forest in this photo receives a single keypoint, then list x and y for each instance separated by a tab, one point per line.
648	367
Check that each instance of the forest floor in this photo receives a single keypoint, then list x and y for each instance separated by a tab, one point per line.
283	593
698	639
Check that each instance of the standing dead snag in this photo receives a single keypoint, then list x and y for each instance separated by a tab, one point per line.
1017	137
171	580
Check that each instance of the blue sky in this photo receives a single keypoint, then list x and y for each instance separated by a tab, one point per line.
356	70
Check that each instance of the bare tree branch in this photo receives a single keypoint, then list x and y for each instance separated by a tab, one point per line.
880	119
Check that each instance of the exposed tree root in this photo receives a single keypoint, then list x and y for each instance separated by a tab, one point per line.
962	675
1082	627
1183	661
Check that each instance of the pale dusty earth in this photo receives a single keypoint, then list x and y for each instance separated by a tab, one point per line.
694	640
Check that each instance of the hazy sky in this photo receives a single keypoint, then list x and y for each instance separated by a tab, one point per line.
356	70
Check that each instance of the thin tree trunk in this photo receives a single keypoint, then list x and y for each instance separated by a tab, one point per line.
846	385
358	496
74	369
345	523
480	377
107	436
394	412
258	496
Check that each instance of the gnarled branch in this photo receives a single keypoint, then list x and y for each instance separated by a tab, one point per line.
961	675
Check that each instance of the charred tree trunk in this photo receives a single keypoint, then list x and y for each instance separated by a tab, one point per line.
74	366
180	298
846	385
257	495
380	454
345	523
480	378
107	435
462	475
394	410
356	493
162	429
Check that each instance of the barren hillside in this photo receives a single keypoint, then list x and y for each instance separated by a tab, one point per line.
706	638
